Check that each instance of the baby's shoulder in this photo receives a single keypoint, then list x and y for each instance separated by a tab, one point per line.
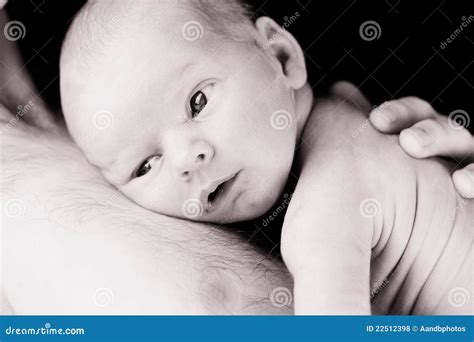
342	175
349	167
340	142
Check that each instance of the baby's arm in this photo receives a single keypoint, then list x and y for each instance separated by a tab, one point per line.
326	244
326	240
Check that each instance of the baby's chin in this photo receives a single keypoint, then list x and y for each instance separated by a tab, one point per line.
253	209
244	210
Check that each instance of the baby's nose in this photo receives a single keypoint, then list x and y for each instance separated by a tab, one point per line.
197	156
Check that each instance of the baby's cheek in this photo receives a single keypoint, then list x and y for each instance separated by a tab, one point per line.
134	193
141	193
161	196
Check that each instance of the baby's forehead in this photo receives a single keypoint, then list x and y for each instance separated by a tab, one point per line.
173	36
126	65
103	23
138	52
104	19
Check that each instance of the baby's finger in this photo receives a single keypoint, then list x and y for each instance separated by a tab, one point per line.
395	115
464	181
438	137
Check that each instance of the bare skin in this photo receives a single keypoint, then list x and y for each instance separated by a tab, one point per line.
56	157
87	237
78	236
145	248
417	243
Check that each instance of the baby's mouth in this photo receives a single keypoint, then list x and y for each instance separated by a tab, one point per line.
212	196
217	192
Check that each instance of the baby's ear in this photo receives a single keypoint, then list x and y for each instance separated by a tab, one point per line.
284	47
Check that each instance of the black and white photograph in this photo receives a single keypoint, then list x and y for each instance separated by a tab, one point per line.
236	157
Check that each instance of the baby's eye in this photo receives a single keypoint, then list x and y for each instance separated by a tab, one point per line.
146	165
199	100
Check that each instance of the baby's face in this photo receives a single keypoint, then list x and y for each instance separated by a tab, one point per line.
195	127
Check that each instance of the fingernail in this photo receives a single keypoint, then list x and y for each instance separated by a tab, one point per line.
383	116
420	135
465	183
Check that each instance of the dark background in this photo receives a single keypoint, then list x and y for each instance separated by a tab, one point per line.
406	59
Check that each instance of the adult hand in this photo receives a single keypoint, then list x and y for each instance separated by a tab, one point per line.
423	132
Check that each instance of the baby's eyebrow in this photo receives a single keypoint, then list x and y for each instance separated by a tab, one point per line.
182	71
184	68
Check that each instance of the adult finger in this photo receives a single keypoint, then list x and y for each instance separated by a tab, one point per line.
396	115
438	136
464	181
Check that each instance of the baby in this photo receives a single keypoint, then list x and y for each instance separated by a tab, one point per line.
194	111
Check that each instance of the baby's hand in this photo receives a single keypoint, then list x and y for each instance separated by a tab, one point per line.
425	133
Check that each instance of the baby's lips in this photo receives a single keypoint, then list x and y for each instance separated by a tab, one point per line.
220	185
